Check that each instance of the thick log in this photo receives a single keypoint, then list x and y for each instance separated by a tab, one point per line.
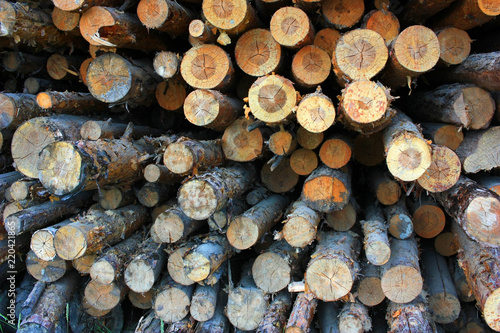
443	172
302	313
410	317
97	229
216	188
51	305
282	143
175	265
369	149
258	54
200	33
326	39
442	295
156	173
450	136
91	164
105	296
115	197
303	161
383	22
315	113
114	79
207	66
240	18
82	264
401	279
417	11
111	27
359	55
445	244
241	145
408	155
428	218
45	271
165	15
354	318
110	264
275	319
17	108
145	267
42	241
369	290
475	208
336	151
301	225
204	302
171	94
173	300
455	45
23	63
399	220
467	14
344	219
66	21
6	181
246	229
186	156
326	190
364	107
341	15
333	268
386	189
310	67
376	241
414	52
92	311
292	28
481	266
152	194
477	151
49	212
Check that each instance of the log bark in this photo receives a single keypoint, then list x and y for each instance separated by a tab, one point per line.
328	317
376	241
42	241
450	136
481	267
401	279
455	45
354	318
477	151
166	16
336	256
240	18
219	322
221	218
216	187
460	280
445	244
152	194
173	301
326	39
400	224
344	219
427	216
97	229
315	113
369	289
241	145
443	172
475	209
91	164
200	33
70	103
186	156
23	63
17	108
418	12
310	67
274	321
204	302
301	224
292	28
302	314
341	15
171	94
114	79
467	14
413	316
408	155
383	22
385	188
45	271
105	296
360	54
365	107
336	151
82	5
109	26
326	190
369	149
95	130
442	295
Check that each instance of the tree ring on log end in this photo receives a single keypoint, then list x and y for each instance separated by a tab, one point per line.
443	172
257	53
57	66
7	18
175	267
408	158
491	310
178	158
197	199
46	271
370	292
455	45
65	20
342	15
299	232
417	49
68	5
281	180
246	307
103	297
489	7
402	284
197	266
70	243
482	220
446	307
271	265
139	276
249	144
364	102
225	14
171	305
201	107
169	227
428	221
311	66
94	19
42	245
290	26
242	233
205	66
378	252
153	13
8	110
109	78
329	279
102	272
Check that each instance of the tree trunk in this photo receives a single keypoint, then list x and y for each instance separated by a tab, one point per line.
219	322
200	33
186	156
246	229
173	225
467	14
241	18
166	16
141	300
42	241
354	318
97	229
475	209
476	151
23	63
62	67
336	256
24	189
70	103
301	225
216	188
311	66
370	291
428	218
413	316
204	302
280	180
66	21
221	218
342	15
344	219
327	39
275	319
315	113
241	145
455	46
408	155
401	279
17	108
115	197
105	296
450	136
173	300
302	314
82	264
46	271
386	189
376	241
383	22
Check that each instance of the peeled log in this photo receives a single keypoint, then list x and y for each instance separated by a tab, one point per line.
478	151
333	268
301	225
475	208
411	317
302	314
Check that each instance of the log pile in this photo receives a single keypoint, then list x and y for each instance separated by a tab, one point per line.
266	166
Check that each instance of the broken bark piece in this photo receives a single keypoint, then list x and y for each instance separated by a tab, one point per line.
315	113
399	220
383	22
428	218
241	145
344	219
310	66
234	17
246	229
303	161
292	28
145	267
342	15
42	241
200	33
369	149
443	172
376	241
477	151
360	54
302	313
467	14
412	316
336	152
216	187
455	45
370	291
17	108
326	39
46	271
171	94
165	15
354	317
333	268
386	189
401	279
450	136
173	225
115	197
105	296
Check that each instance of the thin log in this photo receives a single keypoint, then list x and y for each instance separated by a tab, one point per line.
450	136
354	318
427	216
175	264
70	103
385	188
166	64
171	94
62	67
204	302
315	113
342	15
241	145
274	321
303	310
400	224
200	33
336	151
476	151
156	173
28	189
292	28
145	267
467	14
152	194
173	300
185	156
95	130
445	244
410	317
376	241
241	18
173	224
301	225
33	85
166	16
115	197
369	290
46	271
23	63
42	241
310	67
303	161
344	219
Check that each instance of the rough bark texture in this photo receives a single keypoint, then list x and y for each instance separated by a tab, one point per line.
17	108
302	314
354	317
274	320
478	150
376	241
410	317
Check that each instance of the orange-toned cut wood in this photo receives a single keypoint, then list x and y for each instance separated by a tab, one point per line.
316	113
165	15
292	28
455	45
445	244
200	33
310	66
66	21
83	69
467	14
450	136
303	161
282	143
384	22
231	16
75	5
417	11
342	14
241	145
309	140
326	39
171	94
443	172
428	218
336	152
166	64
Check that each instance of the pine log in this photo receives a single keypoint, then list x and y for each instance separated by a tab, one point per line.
399	221
457	104
369	290
145	267
247	304
258	54
354	318
364	107
97	229
275	319
241	145
401	279
408	155
302	314
310	66
28	189
460	280
51	305
111	27
149	324
216	188
105	296
303	161
475	209
171	94
386	189
49	212
115	197
410	317
82	264
342	15
326	39
175	264
455	45
28	295
450	136
336	151
114	79
62	67
91	164
282	143
185	156
165	15
221	218
417	11
204	302
359	55
328	317
110	264
326	190
207	66
292	28
315	113
442	295
376	242
414	52
141	300
46	271
13	208
33	85
66	21
369	149
95	130
152	194
200	33
443	172
42	241
23	63
478	150
92	311
166	64
234	17
383	22
82	5
70	102
272	99
344	219
427	216
301	225
17	108
333	268
156	173
173	225
173	301
467	14
246	229
445	244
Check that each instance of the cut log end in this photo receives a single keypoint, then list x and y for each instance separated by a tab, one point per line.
326	39
402	284
241	145
257	53
139	276
172	304
316	113
95	18
299	232
342	220
57	66
242	233
417	49
226	15
491	311
8	18
42	244
8	110
65	20
378	252
246	307
484	212
342	15
166	64
171	94
197	266
91	130
329	279
364	102
443	172
370	291
303	161
46	271
291	27
445	244
103	272
70	243
455	45
169	227
69	5
385	23
408	158
103	297
282	143
309	140
311	66
448	305
428	221
335	153
178	158
197	199
271	265
324	191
